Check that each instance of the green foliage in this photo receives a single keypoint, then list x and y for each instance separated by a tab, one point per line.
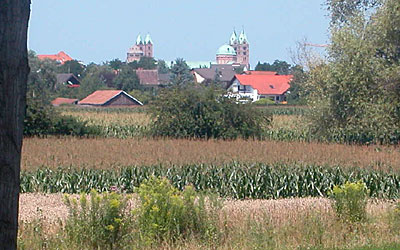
180	73
162	67
144	63
264	101
201	112
144	96
235	180
350	201
73	66
281	67
101	223
355	95
127	79
167	214
116	64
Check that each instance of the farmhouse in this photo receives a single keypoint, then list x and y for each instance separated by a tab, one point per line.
68	79
221	73
60	100
257	85
107	98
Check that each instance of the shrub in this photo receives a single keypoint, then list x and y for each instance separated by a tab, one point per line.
202	112
264	101
350	201
167	214
102	222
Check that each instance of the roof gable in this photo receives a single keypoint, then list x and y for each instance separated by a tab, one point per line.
266	84
60	57
60	100
102	97
65	77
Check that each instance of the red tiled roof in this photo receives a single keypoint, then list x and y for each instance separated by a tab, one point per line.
60	100
147	76
253	72
100	97
73	86
61	57
267	84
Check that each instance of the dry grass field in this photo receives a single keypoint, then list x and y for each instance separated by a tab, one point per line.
109	152
298	223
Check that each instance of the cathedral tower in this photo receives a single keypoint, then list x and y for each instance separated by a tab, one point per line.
140	49
241	46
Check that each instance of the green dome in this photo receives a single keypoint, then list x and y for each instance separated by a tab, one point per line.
226	50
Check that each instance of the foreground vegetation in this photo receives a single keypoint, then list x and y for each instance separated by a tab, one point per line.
160	216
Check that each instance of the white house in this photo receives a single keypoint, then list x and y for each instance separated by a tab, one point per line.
255	85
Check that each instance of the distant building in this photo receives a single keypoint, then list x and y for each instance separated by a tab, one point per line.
151	78
256	86
107	98
60	101
140	49
217	73
68	79
237	51
61	57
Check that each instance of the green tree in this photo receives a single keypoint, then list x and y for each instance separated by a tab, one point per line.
127	79
350	93
73	67
281	67
194	111
116	64
341	11
180	73
162	67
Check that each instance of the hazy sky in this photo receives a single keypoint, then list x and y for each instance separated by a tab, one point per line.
101	30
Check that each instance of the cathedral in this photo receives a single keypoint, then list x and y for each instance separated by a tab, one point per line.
236	52
142	47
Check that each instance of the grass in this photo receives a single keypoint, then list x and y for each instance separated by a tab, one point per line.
307	223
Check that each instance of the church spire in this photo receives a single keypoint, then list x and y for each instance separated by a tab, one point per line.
139	40
233	40
242	37
148	40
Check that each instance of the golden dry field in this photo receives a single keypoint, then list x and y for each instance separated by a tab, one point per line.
110	152
248	224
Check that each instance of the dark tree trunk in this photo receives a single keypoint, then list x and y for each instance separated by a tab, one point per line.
14	69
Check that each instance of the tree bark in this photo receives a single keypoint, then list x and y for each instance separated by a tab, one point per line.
14	70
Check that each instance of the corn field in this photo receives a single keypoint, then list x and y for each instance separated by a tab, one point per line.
239	181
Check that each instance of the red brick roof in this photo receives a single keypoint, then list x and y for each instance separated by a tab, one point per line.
100	97
266	84
60	100
253	72
148	76
61	57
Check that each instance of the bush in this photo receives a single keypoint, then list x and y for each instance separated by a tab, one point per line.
350	201
100	223
167	214
202	112
42	119
264	101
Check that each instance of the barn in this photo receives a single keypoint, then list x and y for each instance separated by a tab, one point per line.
109	98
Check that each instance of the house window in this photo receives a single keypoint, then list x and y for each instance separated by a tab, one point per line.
244	48
277	98
244	53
